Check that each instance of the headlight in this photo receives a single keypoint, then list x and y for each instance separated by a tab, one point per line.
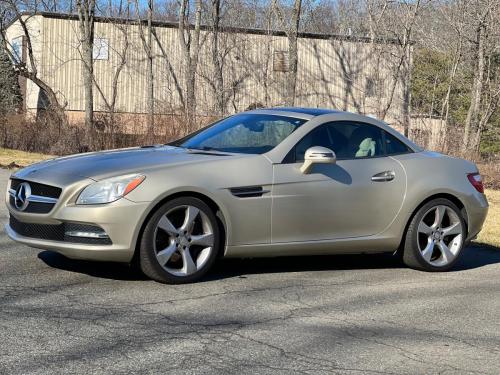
109	190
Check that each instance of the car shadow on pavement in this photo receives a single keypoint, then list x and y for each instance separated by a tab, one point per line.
478	255
475	256
104	270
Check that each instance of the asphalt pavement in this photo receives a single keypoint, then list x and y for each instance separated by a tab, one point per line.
319	315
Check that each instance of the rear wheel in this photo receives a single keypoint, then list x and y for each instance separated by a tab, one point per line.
435	236
180	242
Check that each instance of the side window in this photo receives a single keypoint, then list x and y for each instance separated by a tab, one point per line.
319	136
394	146
353	140
349	140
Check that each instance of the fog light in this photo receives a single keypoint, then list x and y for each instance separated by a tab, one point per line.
75	233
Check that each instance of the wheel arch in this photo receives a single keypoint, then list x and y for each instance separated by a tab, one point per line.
219	214
452	198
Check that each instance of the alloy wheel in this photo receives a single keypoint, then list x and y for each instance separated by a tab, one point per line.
183	240
440	235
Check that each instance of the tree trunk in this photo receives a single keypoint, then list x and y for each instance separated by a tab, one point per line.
150	79
218	76
54	104
445	109
472	119
406	79
86	11
293	57
190	46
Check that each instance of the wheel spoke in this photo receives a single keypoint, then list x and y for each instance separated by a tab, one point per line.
181	239
206	239
445	252
427	252
189	266
452	229
164	255
439	214
191	214
167	225
424	228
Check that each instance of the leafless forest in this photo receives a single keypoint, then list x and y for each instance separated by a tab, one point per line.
445	53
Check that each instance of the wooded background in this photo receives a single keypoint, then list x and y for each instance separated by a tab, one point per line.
445	53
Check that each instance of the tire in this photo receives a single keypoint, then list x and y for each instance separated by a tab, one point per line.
169	241
431	244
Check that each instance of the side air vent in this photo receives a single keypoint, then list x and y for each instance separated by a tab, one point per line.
248	191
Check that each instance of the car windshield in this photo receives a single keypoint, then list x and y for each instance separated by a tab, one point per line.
244	133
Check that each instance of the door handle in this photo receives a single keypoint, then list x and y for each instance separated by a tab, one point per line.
384	176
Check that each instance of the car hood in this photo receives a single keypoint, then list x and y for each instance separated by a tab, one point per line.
99	165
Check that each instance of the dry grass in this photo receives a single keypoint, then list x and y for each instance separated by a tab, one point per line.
15	158
490	234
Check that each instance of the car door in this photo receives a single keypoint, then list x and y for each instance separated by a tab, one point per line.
358	196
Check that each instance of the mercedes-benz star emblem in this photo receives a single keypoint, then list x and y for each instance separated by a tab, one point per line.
23	193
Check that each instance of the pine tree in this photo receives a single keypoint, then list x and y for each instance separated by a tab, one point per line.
10	92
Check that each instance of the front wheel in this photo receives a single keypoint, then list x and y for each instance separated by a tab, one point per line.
180	242
435	236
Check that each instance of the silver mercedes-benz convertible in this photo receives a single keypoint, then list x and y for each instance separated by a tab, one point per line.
270	182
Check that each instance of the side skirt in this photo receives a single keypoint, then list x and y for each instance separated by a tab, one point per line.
323	247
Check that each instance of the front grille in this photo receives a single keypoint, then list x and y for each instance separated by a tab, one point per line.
36	189
34	207
57	232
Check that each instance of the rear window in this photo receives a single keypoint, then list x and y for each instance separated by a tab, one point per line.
394	146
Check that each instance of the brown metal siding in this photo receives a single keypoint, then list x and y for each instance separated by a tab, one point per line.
332	72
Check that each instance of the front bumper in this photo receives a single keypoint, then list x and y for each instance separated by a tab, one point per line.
112	253
120	220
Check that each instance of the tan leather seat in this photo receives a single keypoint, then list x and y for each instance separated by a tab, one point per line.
366	148
362	143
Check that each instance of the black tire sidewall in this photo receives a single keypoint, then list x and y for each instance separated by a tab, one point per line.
412	236
149	263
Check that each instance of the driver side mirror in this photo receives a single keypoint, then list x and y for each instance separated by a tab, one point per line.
317	155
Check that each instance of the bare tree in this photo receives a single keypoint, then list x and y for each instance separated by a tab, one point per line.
147	43
150	74
401	26
86	15
216	60
453	21
291	29
189	39
111	100
27	67
484	17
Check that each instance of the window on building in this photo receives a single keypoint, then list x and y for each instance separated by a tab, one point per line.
280	61
101	49
371	88
17	49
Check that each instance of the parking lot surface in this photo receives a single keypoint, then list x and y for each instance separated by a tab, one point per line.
336	314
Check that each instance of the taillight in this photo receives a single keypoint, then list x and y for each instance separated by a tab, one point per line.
476	181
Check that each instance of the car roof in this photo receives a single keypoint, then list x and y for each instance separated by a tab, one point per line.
311	113
307	111
297	112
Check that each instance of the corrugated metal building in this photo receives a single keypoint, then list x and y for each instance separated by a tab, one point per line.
334	71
